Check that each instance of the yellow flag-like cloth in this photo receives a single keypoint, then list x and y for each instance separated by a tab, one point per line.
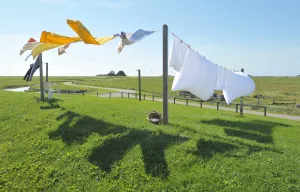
48	37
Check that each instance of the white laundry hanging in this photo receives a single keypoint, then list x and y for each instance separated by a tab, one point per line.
198	76
177	54
238	84
221	79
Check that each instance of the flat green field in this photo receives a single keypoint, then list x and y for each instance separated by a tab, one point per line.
283	88
103	144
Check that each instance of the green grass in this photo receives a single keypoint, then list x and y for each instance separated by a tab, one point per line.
99	144
269	87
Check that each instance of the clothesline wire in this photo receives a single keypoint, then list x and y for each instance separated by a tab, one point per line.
190	47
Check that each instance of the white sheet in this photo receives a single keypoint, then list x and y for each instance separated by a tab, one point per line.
198	76
237	84
177	54
221	79
28	46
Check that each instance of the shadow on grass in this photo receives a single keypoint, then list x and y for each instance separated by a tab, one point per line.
77	128
52	104
259	131
207	148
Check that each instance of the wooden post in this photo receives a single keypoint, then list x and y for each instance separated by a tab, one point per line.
109	94
97	94
139	74
47	72
122	94
236	108
152	97
174	100
82	93
242	101
165	74
187	102
265	111
128	95
218	105
41	78
144	96
201	103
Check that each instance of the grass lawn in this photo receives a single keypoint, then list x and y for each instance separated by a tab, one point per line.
99	144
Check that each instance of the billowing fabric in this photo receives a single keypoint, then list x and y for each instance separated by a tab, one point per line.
43	47
198	76
237	84
102	40
122	44
36	65
131	38
85	34
48	37
29	45
26	76
62	49
139	35
82	32
221	79
178	53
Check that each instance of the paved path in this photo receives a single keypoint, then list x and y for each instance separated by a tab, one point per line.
125	91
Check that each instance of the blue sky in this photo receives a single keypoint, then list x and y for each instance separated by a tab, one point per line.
261	36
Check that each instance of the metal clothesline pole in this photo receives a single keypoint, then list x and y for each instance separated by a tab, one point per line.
165	74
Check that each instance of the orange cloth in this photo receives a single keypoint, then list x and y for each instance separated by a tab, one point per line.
48	37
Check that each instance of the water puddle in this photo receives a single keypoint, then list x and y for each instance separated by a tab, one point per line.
18	89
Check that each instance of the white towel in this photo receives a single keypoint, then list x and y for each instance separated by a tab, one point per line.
198	76
177	54
221	79
237	84
29	46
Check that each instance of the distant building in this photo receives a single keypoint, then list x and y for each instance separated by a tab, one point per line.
121	73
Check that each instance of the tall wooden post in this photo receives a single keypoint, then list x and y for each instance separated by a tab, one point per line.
41	79
47	72
241	101
140	96
165	74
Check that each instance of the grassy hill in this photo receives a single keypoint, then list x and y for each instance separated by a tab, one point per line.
100	144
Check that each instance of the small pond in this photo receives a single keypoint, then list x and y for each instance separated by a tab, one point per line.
18	89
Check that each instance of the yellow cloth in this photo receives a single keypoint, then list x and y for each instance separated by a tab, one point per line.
48	37
42	47
102	40
85	34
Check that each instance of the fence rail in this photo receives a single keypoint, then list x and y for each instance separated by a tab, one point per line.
187	101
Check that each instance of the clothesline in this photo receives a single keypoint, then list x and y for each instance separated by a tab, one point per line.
192	48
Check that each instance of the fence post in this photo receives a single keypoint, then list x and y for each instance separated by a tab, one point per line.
122	94
273	101
152	97
187	102
128	95
218	105
135	95
97	94
83	93
174	100
144	96
201	103
265	111
236	108
109	94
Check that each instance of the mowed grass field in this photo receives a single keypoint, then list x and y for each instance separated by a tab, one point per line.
280	88
106	144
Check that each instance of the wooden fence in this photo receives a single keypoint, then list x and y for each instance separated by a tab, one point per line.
144	96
